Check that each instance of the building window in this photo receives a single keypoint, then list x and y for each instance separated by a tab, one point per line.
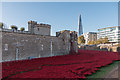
38	29
6	47
118	28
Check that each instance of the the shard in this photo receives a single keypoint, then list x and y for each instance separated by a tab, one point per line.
80	30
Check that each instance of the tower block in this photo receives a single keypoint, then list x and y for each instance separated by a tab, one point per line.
80	29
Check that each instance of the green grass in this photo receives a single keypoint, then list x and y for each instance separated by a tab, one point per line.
104	70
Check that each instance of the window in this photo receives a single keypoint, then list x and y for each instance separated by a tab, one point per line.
38	29
6	47
118	28
111	29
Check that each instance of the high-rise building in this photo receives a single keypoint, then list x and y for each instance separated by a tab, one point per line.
80	30
90	36
113	34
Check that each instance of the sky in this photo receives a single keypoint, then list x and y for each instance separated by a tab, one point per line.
61	15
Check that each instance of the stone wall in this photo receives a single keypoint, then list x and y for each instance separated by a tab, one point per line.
17	46
70	40
0	48
42	30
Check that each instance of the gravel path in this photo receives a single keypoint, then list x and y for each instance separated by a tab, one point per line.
114	73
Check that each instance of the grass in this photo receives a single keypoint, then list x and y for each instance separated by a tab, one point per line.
104	70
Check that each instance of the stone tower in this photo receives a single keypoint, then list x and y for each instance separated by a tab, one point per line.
31	25
40	29
73	41
70	39
80	30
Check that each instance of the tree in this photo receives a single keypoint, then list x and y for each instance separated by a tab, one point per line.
105	40
63	31
96	42
91	42
22	28
100	41
81	40
1	25
14	27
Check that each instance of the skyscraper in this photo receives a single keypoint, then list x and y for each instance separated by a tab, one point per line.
80	30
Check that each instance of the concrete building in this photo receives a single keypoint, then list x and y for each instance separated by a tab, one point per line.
90	36
113	34
35	43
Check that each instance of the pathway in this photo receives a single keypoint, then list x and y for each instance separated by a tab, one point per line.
114	73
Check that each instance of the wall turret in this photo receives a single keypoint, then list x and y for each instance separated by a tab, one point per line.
31	25
41	29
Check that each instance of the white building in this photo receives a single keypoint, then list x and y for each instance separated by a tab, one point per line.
113	33
90	36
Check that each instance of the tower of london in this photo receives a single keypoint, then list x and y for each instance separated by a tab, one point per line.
36	42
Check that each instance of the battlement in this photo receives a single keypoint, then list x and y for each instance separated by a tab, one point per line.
35	23
41	29
32	22
44	25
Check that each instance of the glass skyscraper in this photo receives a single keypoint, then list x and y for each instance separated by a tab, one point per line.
80	30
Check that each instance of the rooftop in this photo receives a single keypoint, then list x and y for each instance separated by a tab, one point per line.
91	33
108	27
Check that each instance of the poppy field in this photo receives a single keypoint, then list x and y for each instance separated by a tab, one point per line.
76	65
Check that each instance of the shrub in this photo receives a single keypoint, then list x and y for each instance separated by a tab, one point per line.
22	29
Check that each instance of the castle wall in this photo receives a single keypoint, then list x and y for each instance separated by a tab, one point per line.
0	49
21	46
42	30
